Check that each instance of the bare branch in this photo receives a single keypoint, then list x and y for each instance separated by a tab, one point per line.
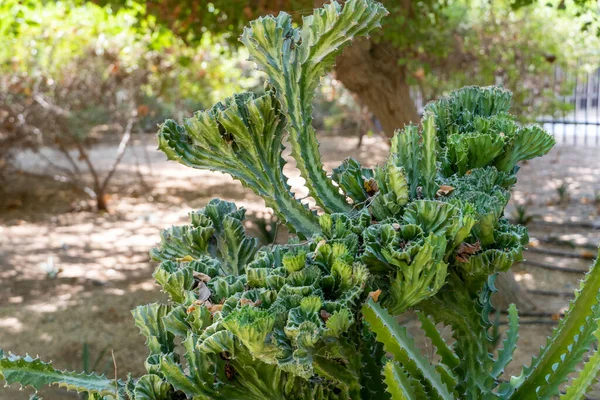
86	159
52	107
65	152
56	166
122	147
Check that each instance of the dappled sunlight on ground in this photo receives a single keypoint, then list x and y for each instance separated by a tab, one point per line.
575	167
103	268
103	262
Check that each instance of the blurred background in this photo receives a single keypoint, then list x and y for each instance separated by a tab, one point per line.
84	193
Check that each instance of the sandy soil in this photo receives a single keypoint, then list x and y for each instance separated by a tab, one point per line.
104	266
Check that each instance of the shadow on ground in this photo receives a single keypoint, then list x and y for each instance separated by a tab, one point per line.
105	270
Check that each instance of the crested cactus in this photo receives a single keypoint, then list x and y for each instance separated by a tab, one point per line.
315	318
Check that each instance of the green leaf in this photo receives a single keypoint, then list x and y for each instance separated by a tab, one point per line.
175	375
402	347
457	111
339	322
565	347
588	375
509	345
398	383
479	266
181	241
397	184
251	327
484	180
32	372
294	60
422	278
405	152
392	192
215	242
384	191
294	262
408	265
439	218
234	248
442	349
176	321
350	175
428	163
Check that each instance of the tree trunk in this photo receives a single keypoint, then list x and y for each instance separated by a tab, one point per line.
101	203
371	71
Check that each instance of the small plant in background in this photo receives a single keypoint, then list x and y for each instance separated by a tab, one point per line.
521	215
267	227
50	268
60	93
563	194
597	200
316	318
90	364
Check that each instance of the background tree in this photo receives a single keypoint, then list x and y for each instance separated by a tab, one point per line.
55	92
72	75
434	45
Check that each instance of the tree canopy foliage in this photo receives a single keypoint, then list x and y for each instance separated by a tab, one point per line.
435	45
427	46
71	73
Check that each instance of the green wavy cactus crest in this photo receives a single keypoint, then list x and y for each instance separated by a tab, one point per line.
315	318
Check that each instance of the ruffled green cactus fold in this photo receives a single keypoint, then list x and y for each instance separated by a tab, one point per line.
476	130
294	60
241	136
152	387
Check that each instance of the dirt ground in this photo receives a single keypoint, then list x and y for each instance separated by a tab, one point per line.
105	270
